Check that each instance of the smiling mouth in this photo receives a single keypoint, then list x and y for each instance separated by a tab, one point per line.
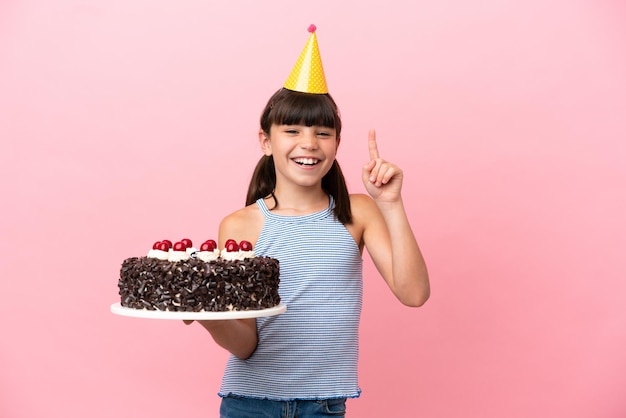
308	162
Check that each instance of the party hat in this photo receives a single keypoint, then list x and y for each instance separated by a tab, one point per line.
307	75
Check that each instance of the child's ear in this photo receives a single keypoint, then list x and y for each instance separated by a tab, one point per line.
264	141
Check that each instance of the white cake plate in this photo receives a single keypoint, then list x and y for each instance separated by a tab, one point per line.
118	309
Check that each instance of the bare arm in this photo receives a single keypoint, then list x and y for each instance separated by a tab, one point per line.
387	233
238	336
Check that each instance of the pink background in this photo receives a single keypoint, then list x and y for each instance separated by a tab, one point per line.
126	122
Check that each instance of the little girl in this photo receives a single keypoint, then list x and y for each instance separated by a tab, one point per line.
303	363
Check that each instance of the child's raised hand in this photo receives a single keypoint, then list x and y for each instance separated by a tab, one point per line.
382	179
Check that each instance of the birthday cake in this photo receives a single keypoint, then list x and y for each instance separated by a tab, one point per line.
178	277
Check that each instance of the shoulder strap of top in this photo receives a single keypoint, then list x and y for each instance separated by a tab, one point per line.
263	207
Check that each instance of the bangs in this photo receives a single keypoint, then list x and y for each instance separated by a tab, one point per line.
288	107
308	110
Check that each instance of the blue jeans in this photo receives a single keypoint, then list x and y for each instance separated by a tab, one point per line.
240	407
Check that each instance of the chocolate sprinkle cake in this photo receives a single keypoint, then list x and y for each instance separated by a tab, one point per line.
195	286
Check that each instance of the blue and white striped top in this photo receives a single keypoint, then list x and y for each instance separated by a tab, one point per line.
310	351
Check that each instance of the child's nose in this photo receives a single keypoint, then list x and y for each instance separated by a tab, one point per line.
309	141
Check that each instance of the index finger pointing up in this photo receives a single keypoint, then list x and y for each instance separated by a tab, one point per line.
371	143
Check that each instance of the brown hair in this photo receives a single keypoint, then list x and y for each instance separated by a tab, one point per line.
287	107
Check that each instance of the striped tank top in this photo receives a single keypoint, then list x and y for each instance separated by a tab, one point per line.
311	350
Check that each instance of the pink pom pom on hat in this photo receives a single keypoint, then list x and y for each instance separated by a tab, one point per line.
307	76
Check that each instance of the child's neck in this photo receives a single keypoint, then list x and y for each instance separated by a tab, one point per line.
300	202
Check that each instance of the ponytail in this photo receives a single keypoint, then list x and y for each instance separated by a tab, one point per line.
334	184
263	180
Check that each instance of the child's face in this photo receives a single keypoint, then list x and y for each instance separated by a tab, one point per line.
302	154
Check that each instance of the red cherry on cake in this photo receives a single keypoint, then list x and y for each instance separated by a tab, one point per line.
187	242
168	243
180	246
245	245
163	246
155	246
232	246
229	241
208	245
